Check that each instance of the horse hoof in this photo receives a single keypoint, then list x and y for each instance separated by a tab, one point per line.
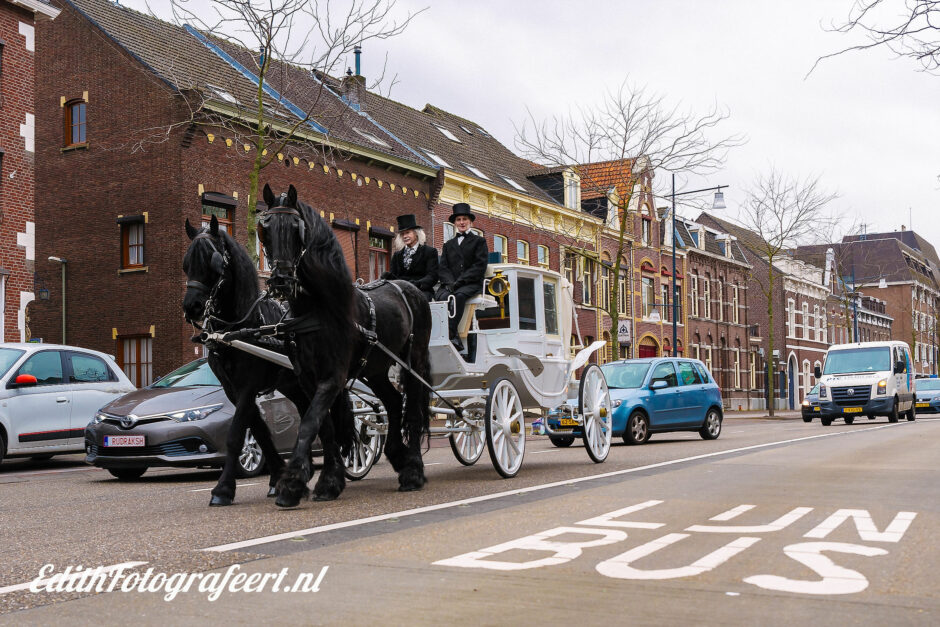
287	501
220	501
409	488
326	496
272	492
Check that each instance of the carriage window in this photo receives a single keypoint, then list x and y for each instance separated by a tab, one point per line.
378	257
132	245
527	320
551	313
75	123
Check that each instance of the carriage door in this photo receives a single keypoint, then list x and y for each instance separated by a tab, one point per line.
530	340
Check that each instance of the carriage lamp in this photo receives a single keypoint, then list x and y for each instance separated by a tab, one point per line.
499	287
196	413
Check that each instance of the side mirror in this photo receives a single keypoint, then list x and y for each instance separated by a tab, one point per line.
658	385
899	366
24	380
817	371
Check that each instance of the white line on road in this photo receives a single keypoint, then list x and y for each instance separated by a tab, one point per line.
548	450
56	471
237	485
232	546
103	569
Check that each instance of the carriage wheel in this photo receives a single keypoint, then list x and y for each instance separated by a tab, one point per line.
366	449
595	408
468	445
505	428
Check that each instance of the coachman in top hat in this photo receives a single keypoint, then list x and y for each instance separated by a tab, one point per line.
413	261
463	265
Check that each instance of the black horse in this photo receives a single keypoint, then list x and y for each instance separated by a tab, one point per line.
222	294
336	326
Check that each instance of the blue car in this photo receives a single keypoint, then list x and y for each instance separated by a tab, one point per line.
927	392
657	395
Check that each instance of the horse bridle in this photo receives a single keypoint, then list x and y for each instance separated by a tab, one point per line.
218	263
288	267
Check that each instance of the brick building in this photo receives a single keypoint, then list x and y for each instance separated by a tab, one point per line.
718	313
113	201
18	286
800	327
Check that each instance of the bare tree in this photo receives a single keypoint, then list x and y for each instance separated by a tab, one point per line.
783	212
909	28
639	133
295	46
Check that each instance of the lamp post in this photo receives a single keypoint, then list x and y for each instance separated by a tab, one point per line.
718	203
63	262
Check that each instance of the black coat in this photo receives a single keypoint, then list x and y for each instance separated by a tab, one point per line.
423	270
463	266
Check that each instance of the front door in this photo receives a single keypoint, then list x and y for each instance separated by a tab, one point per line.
665	403
39	413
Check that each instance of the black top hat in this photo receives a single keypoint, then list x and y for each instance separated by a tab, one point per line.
462	209
406	222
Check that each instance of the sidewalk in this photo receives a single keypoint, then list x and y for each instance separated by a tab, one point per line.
779	414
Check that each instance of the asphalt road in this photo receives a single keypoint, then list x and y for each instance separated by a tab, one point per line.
775	522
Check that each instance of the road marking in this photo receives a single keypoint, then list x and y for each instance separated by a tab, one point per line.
232	546
237	485
550	450
104	569
27	473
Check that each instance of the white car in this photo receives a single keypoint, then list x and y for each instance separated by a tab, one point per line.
49	393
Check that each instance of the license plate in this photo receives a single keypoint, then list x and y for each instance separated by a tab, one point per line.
919	405
852	410
567	422
815	409
123	440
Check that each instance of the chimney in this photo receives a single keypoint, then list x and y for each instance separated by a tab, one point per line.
354	85
903	228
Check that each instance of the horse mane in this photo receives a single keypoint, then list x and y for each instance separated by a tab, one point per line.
324	271
242	292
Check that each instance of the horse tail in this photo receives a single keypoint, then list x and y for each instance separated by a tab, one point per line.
341	415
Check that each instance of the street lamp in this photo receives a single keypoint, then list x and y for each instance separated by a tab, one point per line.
718	203
63	262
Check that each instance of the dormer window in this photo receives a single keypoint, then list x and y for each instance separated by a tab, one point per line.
572	190
475	171
701	239
447	134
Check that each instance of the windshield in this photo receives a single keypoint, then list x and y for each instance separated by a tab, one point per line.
7	357
858	360
625	375
195	373
928	384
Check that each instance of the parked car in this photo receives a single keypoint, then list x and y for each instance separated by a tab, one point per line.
928	396
657	395
48	393
810	406
181	420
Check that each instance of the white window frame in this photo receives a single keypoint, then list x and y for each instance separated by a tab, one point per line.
446	133
512	182
791	317
735	317
737	368
693	310
474	170
707	296
548	257
436	158
501	245
520	258
721	308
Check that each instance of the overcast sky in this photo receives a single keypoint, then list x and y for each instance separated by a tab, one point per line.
868	124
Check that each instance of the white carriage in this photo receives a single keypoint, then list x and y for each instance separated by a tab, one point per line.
518	364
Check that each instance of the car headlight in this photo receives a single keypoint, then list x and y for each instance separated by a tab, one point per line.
196	413
805	403
822	391
98	419
883	387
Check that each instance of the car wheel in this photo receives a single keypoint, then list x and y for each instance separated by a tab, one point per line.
849	419
711	428
911	413
638	428
250	459
894	415
128	474
825	421
562	441
807	419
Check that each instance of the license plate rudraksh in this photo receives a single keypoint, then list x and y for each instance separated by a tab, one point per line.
113	441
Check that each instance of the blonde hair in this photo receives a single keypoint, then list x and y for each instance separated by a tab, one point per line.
398	243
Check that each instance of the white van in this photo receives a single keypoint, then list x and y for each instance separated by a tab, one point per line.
866	378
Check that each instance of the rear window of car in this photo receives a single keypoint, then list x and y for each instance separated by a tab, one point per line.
688	375
195	373
8	357
702	370
89	369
